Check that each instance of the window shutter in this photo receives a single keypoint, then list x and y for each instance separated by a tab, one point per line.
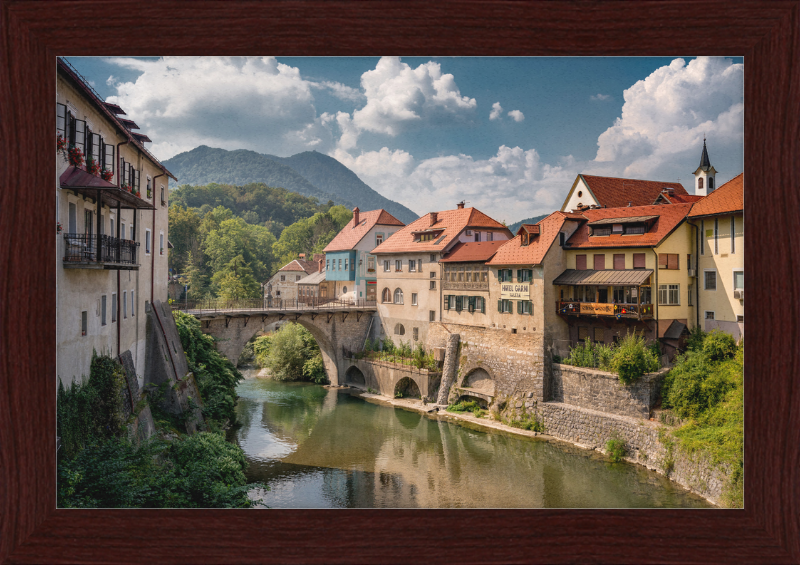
70	128
580	262
662	261
471	304
500	306
619	261
138	180
483	305
530	275
96	146
447	302
108	161
519	306
61	120
80	135
530	307
638	260
123	170
672	261
519	275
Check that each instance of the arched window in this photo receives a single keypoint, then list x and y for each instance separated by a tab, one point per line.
398	296
386	295
700	182
399	330
710	183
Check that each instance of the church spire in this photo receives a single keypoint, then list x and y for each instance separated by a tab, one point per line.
705	162
705	174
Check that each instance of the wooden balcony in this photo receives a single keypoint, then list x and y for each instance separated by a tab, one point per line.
627	311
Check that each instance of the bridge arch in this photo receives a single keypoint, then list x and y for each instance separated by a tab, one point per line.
407	387
355	377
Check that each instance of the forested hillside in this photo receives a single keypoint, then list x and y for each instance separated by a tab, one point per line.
329	175
310	174
535	219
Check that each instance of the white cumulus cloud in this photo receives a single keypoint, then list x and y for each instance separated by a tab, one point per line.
497	110
599	96
517	115
666	115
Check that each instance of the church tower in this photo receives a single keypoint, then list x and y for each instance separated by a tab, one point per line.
704	175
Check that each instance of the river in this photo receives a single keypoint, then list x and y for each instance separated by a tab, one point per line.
326	448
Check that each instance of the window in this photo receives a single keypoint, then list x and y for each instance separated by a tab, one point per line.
700	182
297	277
87	222
619	261
433	285
416	334
599	335
561	238
431	315
480	304
163	198
277	293
113	227
646	298
103	310
433	258
72	226
716	236
710	183
459	303
161	241
370	264
489	236
353	265
413	298
283	278
738	280
740	319
149	187
124	304
688	260
524	275
709	315
668	261
346	266
378	239
669	294
638	260
433	274
327	264
477	236
398	296
386	295
122	231
733	234
580	262
635	229
601	231
398	265
525	307
600	262
690	302
147	242
583	333
84	322
710	280
133	308
504	306
504	275
113	307
412	266
386	266
340	265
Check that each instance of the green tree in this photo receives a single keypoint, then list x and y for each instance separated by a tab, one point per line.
235	281
194	278
184	234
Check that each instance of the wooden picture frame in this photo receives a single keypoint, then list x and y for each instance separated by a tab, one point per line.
766	34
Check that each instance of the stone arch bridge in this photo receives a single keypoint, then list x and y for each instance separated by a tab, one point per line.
339	327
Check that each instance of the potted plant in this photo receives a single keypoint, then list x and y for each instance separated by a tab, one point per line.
61	144
138	194
75	156
92	166
106	175
125	186
59	228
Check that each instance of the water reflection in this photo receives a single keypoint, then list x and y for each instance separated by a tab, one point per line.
320	448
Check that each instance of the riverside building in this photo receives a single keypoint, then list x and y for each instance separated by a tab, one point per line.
111	232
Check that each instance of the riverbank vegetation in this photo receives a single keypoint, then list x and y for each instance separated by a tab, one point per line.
100	464
290	354
705	389
629	359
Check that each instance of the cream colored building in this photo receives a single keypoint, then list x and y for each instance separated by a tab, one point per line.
719	220
409	281
111	248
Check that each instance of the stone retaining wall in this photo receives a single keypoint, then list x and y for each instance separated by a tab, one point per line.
603	391
592	429
384	376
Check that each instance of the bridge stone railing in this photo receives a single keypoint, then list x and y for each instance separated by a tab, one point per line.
277	305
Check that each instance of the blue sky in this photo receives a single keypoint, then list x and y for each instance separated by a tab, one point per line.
508	135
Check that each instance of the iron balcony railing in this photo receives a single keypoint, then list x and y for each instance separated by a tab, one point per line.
82	248
275	304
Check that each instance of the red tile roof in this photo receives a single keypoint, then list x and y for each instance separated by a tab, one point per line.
726	199
669	217
613	192
351	234
680	198
307	267
472	251
514	253
451	222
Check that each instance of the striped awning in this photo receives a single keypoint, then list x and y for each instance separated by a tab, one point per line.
611	277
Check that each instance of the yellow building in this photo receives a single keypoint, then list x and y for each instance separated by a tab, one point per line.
719	220
629	269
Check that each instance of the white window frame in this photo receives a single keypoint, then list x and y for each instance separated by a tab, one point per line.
734	278
713	315
395	296
148	241
387	266
398	265
705	281
414	299
124	304
161	243
666	288
122	230
412	266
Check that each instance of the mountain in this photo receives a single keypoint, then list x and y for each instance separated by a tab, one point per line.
309	174
329	175
535	219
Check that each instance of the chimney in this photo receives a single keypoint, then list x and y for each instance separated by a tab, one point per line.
302	256
321	262
460	205
355	216
434	217
629	204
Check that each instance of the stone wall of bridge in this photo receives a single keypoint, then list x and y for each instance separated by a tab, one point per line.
334	332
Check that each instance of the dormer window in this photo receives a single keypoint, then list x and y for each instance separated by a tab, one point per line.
616	229
525	239
601	231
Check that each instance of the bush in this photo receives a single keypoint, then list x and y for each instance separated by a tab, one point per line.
291	354
261	347
632	359
696	338
719	345
388	345
615	448
314	370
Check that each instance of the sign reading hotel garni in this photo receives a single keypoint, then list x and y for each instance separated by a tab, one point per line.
515	291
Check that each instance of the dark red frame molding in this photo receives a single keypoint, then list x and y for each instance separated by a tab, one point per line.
767	34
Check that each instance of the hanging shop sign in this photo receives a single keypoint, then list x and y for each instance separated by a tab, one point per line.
515	291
